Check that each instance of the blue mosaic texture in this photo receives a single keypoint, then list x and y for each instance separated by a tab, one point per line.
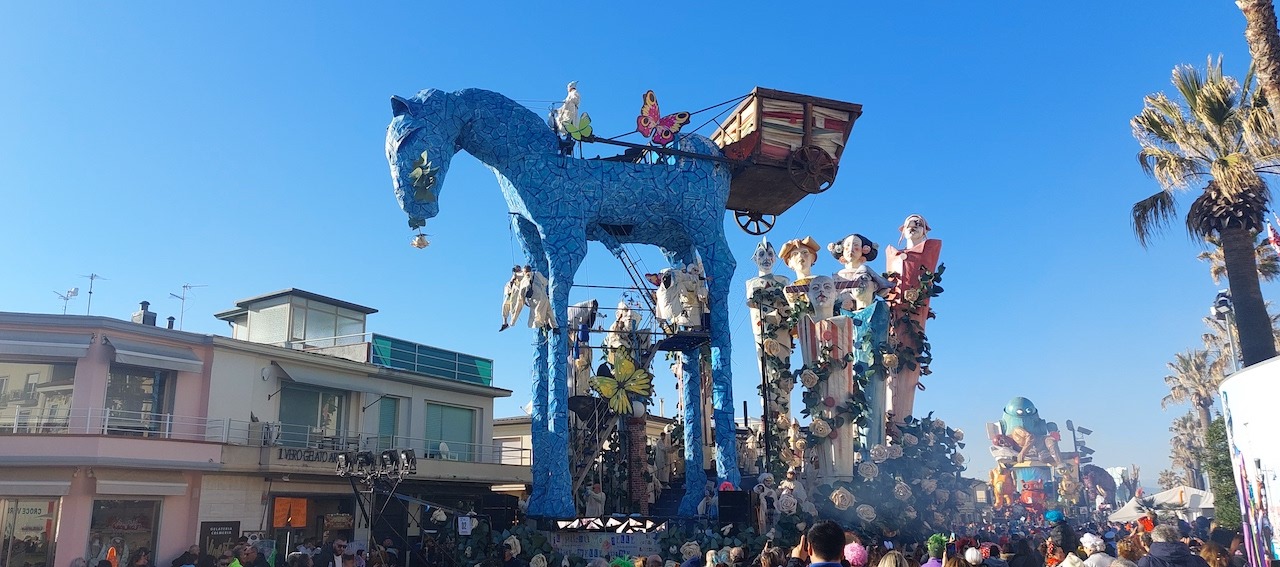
558	204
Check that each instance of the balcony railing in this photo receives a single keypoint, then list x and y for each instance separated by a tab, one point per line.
98	421
391	352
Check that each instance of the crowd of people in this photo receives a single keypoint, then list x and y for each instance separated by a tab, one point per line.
1053	542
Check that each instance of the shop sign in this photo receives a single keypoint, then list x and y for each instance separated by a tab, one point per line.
337	522
307	455
217	537
464	525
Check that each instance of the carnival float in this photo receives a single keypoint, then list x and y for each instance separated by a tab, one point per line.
1032	474
852	338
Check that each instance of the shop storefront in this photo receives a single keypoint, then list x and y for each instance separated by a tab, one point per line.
120	527
30	502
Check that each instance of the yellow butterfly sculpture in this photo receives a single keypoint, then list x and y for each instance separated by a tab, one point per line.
627	380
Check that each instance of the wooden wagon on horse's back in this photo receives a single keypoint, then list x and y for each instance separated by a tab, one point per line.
785	146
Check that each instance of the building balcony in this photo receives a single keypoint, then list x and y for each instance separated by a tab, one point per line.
236	444
390	352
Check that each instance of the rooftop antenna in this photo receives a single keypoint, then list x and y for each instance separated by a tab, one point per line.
92	276
65	297
182	309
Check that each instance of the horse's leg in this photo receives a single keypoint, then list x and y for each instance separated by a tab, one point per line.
719	263
695	477
531	243
566	246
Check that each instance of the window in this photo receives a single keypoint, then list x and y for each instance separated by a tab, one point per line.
22	383
388	422
310	417
118	527
30	523
453	426
33	380
138	398
320	325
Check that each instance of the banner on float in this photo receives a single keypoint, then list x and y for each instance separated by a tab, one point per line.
590	545
1248	402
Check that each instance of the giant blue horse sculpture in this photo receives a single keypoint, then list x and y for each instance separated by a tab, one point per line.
557	204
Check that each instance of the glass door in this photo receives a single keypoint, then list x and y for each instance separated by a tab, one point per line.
27	525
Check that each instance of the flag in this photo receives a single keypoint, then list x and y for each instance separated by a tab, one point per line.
1273	237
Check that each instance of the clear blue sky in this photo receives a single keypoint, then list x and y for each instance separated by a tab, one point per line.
240	145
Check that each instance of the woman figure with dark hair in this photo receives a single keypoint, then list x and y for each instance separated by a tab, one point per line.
853	252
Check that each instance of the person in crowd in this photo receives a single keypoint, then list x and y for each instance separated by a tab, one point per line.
140	557
893	558
1127	553
348	560
1214	555
972	557
1060	532
298	558
509	558
308	547
1095	549
936	545
1167	550
245	555
189	557
855	553
653	561
822	546
332	557
225	559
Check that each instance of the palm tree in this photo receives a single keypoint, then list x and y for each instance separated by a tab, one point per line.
1220	143
1187	447
1193	380
1168	479
1265	254
1264	43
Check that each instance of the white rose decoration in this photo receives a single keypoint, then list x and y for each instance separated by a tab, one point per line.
842	498
895	451
867	513
787	504
689	550
879	453
538	560
820	428
868	470
809	378
959	435
775	347
909	439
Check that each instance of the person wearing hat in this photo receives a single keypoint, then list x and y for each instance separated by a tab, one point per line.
1061	533
792	485
918	257
1096	550
799	254
509	557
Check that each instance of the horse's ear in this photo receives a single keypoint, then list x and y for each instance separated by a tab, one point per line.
399	106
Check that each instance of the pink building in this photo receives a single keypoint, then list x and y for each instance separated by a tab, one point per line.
116	435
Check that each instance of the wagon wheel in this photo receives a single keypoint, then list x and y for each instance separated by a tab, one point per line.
755	224
812	169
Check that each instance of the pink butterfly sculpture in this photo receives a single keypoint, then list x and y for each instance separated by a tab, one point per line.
661	129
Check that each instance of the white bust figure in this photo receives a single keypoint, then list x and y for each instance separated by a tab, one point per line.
568	113
799	255
915	230
822	296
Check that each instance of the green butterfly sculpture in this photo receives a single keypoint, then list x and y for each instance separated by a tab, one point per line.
580	131
424	178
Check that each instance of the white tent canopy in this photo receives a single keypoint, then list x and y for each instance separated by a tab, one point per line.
1188	503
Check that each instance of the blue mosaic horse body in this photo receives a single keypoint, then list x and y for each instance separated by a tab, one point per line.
558	203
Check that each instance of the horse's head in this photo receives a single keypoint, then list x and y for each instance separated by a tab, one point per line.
421	141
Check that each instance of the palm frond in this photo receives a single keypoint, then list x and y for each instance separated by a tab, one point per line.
1152	215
